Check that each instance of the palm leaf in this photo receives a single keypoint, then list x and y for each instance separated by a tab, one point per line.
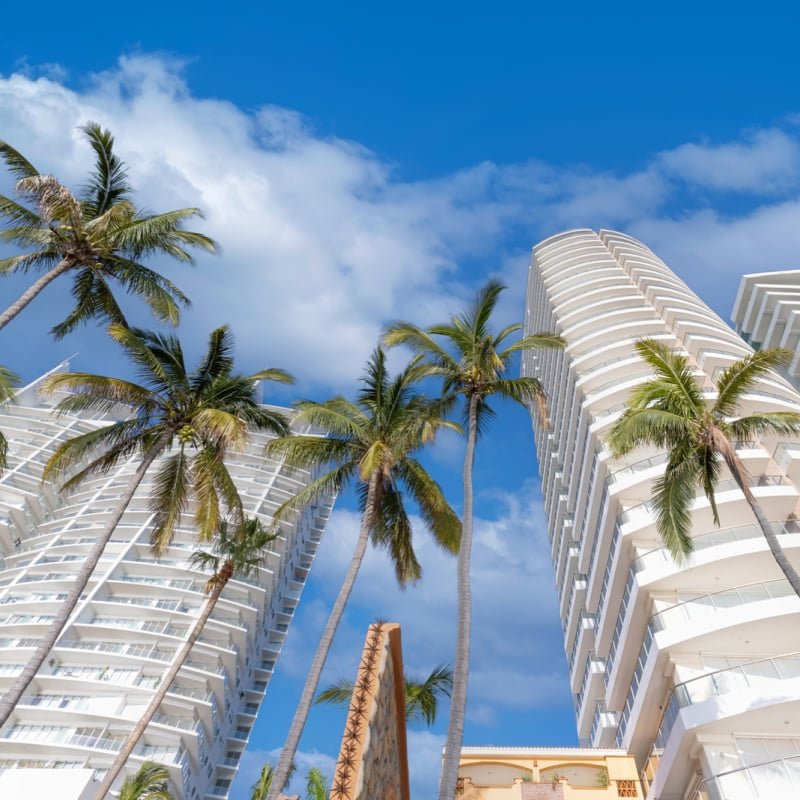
742	374
17	164
169	498
673	494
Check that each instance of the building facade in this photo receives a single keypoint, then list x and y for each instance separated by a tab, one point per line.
693	668
546	773
767	313
131	621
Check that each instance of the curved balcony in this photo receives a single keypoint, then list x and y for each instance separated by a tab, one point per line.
765	675
772	780
690	611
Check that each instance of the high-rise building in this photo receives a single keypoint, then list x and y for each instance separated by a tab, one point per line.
767	313
132	620
693	668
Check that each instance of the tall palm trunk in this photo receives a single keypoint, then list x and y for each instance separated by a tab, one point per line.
31	292
312	680
223	577
12	696
728	451
458	697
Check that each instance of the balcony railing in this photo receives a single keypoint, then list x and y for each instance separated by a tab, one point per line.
698	608
768	781
637	467
765	673
711	539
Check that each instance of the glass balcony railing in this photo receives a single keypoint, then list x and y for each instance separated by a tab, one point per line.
661	555
703	607
634	469
765	674
773	780
647	508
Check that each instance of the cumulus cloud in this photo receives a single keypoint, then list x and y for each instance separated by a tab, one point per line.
324	242
764	162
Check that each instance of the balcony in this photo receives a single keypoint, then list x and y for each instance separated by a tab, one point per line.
764	677
773	780
697	609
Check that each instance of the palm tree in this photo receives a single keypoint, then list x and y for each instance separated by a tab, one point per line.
422	697
475	366
207	413
8	380
237	551
370	442
149	782
316	785
670	411
98	236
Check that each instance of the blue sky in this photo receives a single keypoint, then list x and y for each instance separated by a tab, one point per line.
360	164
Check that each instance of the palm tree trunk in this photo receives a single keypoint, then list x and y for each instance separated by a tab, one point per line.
12	696
740	476
458	698
774	545
312	680
30	293
133	737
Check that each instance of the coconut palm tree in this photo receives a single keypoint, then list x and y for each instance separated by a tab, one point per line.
8	380
371	442
316	785
670	411
192	419
99	236
473	363
149	782
237	551
422	697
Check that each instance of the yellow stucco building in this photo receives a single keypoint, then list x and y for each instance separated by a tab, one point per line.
546	773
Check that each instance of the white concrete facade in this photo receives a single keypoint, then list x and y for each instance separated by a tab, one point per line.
693	668
767	313
131	621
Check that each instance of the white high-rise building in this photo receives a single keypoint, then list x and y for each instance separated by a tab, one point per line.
131	621
693	668
767	313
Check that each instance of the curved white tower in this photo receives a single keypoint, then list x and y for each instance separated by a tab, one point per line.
693	668
131	622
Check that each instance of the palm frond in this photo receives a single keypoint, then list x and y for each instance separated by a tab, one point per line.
674	378
638	426
337	694
169	498
17	164
443	523
108	181
404	333
673	494
88	392
149	782
742	374
537	341
392	529
783	423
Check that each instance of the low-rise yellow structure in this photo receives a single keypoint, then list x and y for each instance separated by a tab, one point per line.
546	773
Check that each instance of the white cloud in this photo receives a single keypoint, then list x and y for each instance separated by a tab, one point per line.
765	161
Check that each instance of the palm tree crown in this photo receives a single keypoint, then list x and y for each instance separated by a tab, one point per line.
373	440
471	360
98	235
207	412
370	442
670	411
473	363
